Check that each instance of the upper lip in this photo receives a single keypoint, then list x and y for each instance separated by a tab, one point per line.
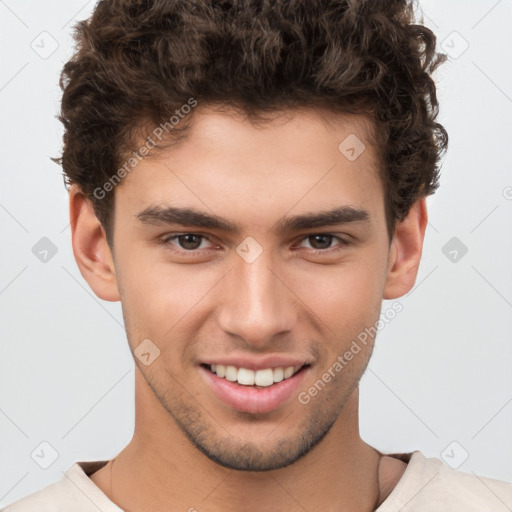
252	363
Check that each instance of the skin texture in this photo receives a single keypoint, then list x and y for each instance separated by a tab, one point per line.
189	449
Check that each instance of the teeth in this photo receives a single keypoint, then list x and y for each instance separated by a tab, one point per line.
264	377
231	373
288	372
278	374
246	377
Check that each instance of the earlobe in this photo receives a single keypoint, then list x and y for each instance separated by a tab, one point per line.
90	248
405	251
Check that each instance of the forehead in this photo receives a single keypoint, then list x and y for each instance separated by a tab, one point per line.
284	139
297	159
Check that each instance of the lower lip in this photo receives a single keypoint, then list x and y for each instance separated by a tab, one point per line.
251	399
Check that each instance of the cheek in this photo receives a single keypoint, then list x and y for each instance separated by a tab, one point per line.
159	298
347	298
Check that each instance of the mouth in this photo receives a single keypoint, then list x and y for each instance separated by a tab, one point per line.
254	391
262	378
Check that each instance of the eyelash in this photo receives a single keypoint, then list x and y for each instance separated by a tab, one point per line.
169	238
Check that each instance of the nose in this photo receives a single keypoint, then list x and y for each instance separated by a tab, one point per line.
257	304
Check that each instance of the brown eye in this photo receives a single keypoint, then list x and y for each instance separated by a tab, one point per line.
320	241
186	242
189	241
323	243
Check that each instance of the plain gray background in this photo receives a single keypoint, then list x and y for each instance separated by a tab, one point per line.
440	379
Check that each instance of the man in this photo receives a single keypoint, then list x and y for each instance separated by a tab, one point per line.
249	179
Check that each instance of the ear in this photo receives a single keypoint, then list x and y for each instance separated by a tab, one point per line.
90	247
405	251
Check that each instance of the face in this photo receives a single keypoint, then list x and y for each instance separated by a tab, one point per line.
242	285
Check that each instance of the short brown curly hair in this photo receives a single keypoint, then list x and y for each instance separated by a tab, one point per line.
136	62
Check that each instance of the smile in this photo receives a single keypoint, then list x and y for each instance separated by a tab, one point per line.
247	377
254	391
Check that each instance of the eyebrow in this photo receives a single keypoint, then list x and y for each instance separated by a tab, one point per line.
194	218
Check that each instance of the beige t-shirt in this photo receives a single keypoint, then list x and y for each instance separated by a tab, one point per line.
427	485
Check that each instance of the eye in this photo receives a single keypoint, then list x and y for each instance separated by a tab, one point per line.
188	242
322	242
193	243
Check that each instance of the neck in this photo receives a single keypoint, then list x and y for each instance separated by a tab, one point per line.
160	468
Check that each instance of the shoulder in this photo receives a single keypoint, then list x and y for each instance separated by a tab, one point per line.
428	484
74	491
